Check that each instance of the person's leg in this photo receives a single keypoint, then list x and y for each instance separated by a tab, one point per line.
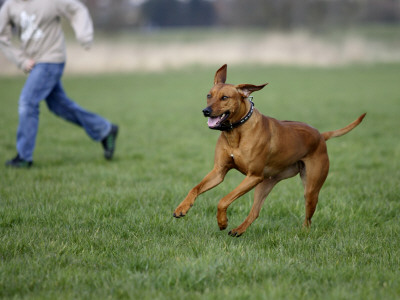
39	84
95	126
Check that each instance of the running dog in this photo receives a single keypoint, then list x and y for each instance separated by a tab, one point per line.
264	149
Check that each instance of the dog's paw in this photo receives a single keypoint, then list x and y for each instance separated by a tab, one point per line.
237	231
234	233
180	215
181	211
222	227
223	224
222	219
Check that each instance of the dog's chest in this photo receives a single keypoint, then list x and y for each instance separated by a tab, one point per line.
239	160
239	153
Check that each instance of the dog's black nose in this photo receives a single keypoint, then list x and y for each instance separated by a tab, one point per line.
207	112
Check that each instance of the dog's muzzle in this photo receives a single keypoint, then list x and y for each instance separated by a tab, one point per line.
207	111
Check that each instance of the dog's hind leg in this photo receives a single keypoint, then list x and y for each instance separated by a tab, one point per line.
313	176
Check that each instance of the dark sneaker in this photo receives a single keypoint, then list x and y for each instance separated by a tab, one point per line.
109	142
18	162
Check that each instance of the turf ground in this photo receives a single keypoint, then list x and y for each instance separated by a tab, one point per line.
78	227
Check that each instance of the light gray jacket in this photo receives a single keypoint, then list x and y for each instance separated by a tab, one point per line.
38	24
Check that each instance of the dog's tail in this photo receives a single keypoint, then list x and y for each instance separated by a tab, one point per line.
335	133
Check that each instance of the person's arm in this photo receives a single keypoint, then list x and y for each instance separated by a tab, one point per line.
80	20
12	53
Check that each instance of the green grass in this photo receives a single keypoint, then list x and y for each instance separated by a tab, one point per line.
78	227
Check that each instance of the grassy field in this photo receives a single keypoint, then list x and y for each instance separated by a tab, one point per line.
75	226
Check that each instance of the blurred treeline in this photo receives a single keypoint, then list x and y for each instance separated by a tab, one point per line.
271	14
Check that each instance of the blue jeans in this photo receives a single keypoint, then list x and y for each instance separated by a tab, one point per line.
44	82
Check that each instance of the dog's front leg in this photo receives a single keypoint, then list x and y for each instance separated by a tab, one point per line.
246	185
215	177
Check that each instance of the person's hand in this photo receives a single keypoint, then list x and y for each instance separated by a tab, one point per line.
29	65
87	46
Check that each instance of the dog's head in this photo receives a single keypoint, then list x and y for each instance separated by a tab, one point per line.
226	102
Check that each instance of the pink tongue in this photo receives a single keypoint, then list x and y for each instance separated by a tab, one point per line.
212	122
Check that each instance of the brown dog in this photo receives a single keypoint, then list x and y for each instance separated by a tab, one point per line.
262	148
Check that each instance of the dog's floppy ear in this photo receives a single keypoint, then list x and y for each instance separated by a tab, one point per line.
247	89
220	75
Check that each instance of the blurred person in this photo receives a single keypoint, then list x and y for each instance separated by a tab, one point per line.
42	55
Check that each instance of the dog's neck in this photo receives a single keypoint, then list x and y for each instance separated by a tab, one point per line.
244	113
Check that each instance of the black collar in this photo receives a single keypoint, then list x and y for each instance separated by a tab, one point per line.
231	126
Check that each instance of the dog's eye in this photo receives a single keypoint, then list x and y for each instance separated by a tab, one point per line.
224	98
209	96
